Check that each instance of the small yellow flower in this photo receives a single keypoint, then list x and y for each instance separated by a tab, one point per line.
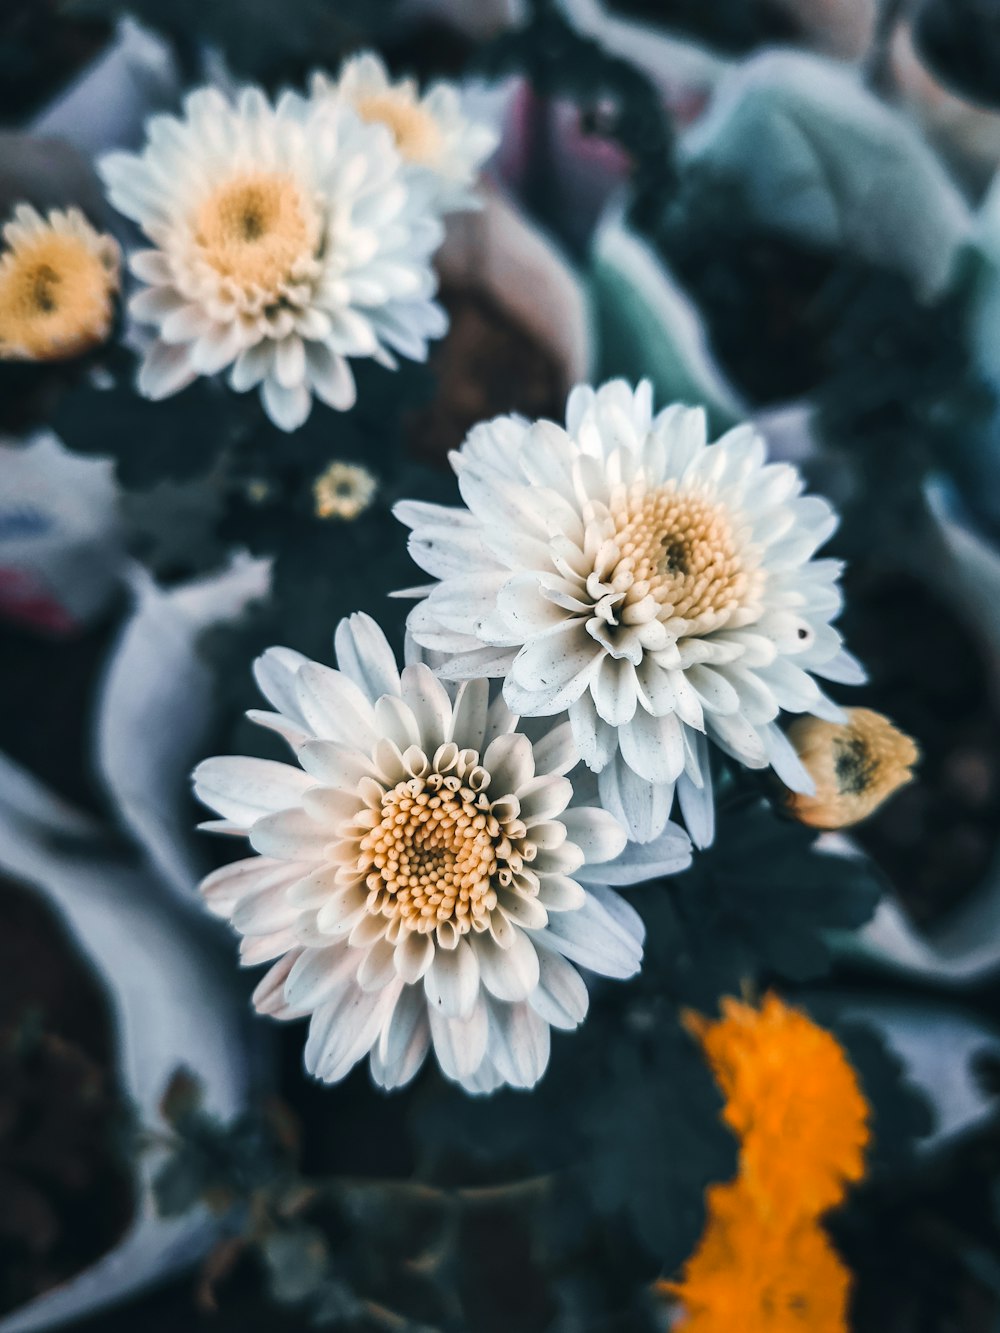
58	281
855	765
750	1277
344	490
794	1103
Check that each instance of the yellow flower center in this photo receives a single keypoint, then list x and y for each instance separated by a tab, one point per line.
343	491
680	549
258	231
415	130
441	849
55	297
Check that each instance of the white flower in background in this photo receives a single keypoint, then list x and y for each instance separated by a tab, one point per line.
659	588
440	145
428	877
58	282
288	239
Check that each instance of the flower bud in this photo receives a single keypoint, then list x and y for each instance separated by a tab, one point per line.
855	765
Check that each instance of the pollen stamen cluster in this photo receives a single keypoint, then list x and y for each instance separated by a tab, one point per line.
442	848
679	549
256	231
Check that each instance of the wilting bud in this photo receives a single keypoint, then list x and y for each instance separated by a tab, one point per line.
855	765
58	282
344	490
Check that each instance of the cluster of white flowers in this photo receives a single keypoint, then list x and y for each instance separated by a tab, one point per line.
290	237
433	874
658	589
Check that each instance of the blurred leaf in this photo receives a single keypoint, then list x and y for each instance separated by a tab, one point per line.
657	1141
760	900
298	1263
960	40
560	62
176	439
179	1184
735	26
825	161
311	32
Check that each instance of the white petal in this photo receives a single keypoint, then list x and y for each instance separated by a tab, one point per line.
275	672
653	746
363	654
269	993
403	1041
414	955
319	976
643	807
460	1043
511	973
519	1043
556	752
287	408
596	832
243	789
510	762
468	726
335	707
561	997
378	966
430	705
451	983
291	835
668	854
697	804
604	936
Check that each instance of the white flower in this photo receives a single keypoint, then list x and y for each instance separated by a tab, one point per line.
287	240
659	588
440	145
428	877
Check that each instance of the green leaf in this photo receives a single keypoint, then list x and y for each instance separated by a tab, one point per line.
297	1259
657	1141
177	439
759	901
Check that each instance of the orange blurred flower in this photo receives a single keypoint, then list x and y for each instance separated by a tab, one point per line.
748	1276
793	1101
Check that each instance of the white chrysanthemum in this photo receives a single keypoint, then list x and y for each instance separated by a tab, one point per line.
438	142
428	877
288	239
659	588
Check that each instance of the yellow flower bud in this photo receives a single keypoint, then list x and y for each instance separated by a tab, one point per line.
855	765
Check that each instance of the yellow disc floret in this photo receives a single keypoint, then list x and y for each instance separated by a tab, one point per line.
256	231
